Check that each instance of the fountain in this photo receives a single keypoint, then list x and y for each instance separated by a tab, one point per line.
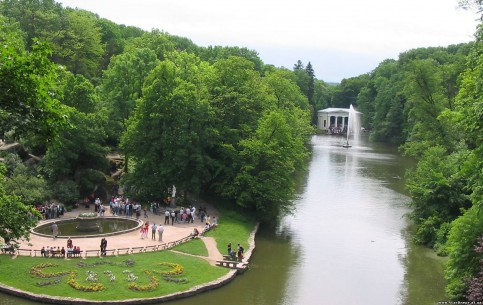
88	225
87	222
352	126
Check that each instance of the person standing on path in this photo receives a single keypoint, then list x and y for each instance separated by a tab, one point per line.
55	230
166	217
160	232
153	231
173	215
103	246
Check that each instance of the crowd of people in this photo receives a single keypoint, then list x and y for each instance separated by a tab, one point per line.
70	250
51	210
120	205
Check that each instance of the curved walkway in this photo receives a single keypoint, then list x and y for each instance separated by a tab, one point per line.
131	239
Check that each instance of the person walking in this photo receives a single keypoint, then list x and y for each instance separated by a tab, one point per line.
160	232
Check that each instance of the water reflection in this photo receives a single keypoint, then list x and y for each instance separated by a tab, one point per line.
347	243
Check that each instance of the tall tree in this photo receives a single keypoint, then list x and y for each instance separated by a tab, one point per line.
268	159
170	133
122	85
16	218
311	91
79	48
29	88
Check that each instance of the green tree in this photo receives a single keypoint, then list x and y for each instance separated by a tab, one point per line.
27	184
39	19
311	91
268	160
469	105
16	218
122	85
238	97
286	92
322	95
438	192
463	263
29	90
156	40
170	132
347	91
80	154
79	93
111	38
79	48
213	54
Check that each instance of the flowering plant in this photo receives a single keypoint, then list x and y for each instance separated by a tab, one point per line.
153	283
37	271
87	288
88	215
130	276
111	276
91	276
176	269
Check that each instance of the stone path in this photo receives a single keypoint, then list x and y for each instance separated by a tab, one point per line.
127	240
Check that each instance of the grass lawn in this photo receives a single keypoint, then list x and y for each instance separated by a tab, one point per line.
17	273
195	247
233	227
144	275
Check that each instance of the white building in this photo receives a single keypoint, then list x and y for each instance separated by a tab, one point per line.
336	120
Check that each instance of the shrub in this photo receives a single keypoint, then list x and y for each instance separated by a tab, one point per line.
426	233
65	192
464	262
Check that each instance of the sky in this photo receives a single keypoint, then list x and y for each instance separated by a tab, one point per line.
340	38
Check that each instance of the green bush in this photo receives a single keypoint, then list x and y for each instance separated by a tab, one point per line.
427	231
441	238
65	192
464	262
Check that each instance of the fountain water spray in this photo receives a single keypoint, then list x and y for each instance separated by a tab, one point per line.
349	124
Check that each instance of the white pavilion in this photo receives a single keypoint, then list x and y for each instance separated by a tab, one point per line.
336	120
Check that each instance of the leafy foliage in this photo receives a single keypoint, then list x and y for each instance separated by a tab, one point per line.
464	262
16	218
29	95
475	285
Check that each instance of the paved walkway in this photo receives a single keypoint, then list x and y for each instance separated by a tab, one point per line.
127	240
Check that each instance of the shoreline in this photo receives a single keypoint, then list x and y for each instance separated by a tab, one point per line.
165	298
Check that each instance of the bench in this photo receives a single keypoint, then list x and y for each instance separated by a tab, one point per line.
151	248
74	254
229	264
19	251
96	252
56	254
10	249
122	250
138	249
231	258
113	252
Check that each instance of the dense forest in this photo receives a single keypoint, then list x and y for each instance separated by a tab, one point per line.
218	121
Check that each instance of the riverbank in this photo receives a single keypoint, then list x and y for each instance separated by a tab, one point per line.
132	239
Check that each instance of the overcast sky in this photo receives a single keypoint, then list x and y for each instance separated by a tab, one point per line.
341	38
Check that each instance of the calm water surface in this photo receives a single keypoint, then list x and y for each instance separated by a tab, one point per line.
348	242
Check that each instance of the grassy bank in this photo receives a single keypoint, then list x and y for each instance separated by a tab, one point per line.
145	275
